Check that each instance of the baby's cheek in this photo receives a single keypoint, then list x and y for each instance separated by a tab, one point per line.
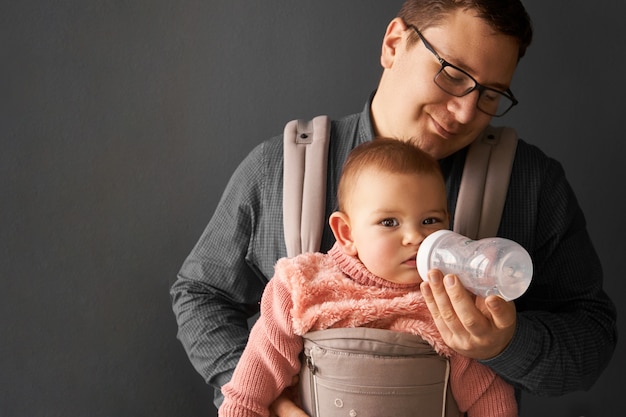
370	258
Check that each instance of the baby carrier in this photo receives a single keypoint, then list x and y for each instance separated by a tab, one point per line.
361	372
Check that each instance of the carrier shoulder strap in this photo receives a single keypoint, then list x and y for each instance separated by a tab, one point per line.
485	182
305	146
480	201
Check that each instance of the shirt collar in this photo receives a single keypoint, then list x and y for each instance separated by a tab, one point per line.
365	129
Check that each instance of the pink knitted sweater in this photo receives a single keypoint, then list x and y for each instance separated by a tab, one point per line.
316	291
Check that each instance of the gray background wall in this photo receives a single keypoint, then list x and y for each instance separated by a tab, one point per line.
121	122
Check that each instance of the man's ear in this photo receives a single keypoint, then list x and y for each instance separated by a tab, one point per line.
340	225
391	42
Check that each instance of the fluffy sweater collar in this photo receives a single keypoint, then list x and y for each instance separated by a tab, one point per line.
336	290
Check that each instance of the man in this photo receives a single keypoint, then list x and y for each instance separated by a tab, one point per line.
447	68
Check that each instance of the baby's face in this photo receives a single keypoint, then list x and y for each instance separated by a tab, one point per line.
390	215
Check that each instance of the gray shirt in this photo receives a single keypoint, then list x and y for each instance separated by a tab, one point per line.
565	332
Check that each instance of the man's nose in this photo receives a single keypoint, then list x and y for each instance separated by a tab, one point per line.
464	108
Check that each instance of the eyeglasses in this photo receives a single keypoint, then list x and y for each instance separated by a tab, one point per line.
454	81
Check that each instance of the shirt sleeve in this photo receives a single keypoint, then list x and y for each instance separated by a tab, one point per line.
566	331
218	287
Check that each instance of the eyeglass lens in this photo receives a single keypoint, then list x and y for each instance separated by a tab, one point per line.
457	83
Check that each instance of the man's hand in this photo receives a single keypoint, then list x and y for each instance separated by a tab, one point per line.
476	327
284	406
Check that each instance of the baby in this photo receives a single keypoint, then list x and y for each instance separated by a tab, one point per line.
391	196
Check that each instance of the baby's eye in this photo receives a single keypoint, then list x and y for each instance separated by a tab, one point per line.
389	222
431	220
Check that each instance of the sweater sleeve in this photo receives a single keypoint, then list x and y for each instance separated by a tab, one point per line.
270	360
479	391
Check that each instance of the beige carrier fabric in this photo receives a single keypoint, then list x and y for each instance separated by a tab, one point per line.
304	183
363	372
485	182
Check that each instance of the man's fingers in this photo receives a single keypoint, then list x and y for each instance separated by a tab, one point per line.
284	407
503	313
456	306
431	303
475	327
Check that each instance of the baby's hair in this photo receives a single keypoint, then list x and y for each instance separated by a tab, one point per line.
385	155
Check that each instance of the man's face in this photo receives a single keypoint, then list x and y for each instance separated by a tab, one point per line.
408	105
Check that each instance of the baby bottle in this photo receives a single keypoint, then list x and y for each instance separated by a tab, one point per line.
490	266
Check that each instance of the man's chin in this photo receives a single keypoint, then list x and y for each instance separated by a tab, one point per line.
435	147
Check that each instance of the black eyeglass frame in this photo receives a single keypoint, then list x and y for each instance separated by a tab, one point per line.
477	86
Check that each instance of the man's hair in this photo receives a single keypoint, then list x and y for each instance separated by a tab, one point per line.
508	17
385	155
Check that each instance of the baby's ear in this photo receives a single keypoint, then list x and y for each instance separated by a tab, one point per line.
340	225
